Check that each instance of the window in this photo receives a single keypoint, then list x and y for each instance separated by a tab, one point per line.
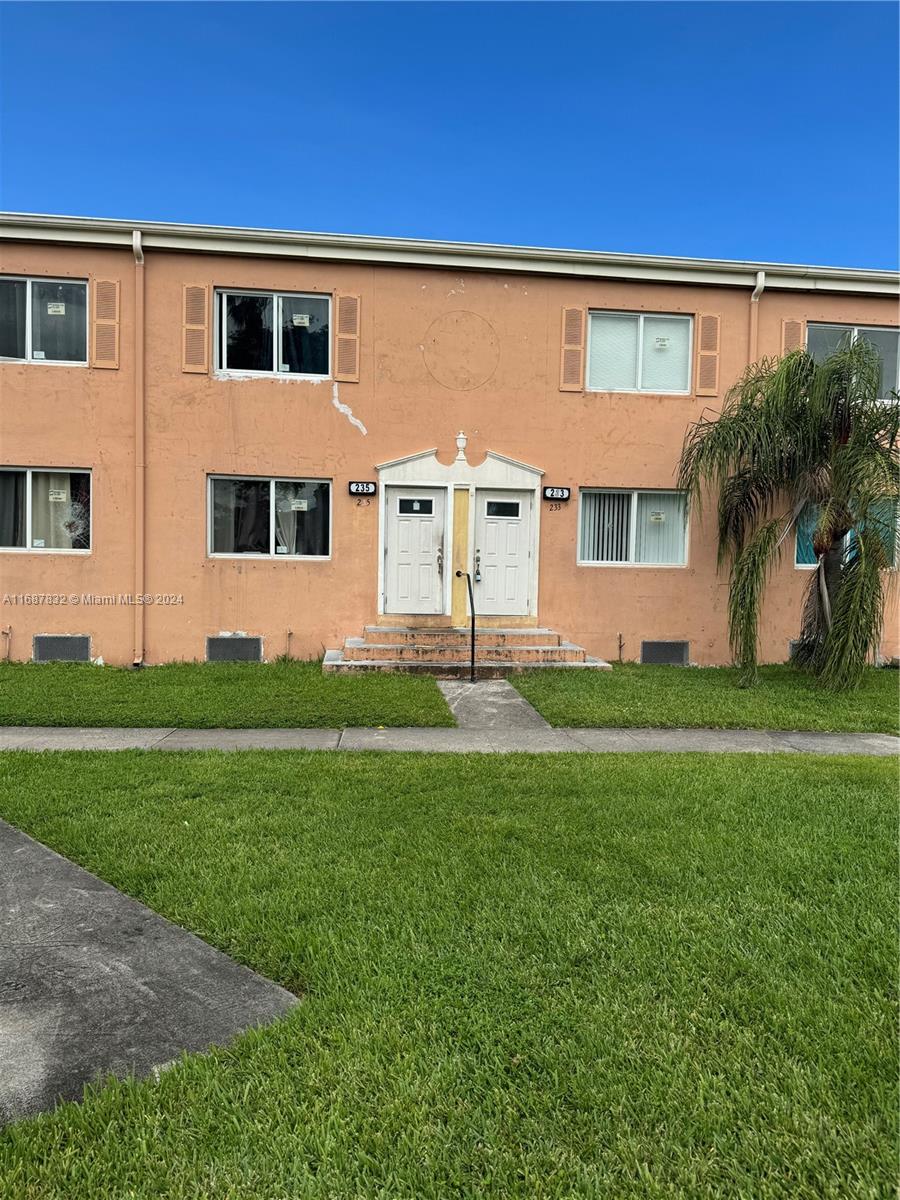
43	320
502	508
273	333
886	517
408	507
45	510
642	528
638	352
822	340
289	517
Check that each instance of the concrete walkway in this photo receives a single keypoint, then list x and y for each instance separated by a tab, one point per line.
93	983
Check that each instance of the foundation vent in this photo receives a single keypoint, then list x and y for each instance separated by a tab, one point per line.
66	647
665	654
234	649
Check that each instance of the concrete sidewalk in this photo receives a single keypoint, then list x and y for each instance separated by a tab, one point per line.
488	740
93	983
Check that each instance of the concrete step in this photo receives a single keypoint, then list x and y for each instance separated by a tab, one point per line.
447	636
358	649
335	662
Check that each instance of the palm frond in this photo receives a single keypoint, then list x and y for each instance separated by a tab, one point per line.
749	574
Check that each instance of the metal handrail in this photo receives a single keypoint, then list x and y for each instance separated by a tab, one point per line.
459	575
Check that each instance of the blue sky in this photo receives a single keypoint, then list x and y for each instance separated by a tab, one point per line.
760	131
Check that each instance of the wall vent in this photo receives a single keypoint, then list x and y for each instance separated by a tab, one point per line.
234	649
666	654
65	647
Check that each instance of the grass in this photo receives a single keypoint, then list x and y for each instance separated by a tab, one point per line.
214	695
675	697
524	977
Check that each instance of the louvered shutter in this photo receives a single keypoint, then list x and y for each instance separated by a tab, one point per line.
195	329
571	356
707	371
346	339
105	324
793	335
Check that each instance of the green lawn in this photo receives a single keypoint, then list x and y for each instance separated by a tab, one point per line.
524	977
213	695
673	697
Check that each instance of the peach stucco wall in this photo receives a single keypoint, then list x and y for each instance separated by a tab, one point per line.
440	352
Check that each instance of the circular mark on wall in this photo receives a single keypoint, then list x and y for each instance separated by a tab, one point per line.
461	350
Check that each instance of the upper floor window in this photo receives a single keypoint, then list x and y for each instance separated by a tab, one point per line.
45	510
43	320
647	528
639	352
250	515
886	519
274	333
822	340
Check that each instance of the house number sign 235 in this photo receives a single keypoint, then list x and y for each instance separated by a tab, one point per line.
362	489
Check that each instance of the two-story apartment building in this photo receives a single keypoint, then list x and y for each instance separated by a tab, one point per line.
209	431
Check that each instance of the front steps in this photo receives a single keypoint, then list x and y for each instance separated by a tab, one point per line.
446	651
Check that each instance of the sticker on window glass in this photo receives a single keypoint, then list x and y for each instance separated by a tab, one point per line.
38	543
37	354
662	343
281	549
657	516
301	319
56	308
283	367
56	495
299	506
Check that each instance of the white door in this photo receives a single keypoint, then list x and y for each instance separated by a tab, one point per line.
414	550
503	551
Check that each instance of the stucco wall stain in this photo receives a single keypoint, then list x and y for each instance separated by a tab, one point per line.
461	350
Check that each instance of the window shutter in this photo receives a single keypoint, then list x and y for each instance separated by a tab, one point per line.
195	330
707	380
793	335
571	358
105	324
346	339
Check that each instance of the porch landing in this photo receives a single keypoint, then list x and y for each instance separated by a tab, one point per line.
445	651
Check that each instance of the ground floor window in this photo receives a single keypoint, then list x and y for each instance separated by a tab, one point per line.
645	528
290	517
45	509
886	517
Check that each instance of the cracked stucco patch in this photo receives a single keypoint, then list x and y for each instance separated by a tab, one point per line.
346	410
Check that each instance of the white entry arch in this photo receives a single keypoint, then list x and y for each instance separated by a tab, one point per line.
496	473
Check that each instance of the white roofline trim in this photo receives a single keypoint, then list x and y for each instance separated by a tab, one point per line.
214	239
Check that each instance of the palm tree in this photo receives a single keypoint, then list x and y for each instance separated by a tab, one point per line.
797	438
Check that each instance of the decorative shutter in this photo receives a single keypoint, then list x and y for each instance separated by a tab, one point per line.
571	358
707	380
793	335
346	339
195	330
105	324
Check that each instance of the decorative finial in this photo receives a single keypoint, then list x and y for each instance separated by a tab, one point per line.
461	441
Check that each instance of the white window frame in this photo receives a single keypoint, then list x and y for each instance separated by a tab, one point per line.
639	390
29	280
224	371
28	472
632	529
271	556
855	331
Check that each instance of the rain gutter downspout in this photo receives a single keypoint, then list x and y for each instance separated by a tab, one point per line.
754	314
139	449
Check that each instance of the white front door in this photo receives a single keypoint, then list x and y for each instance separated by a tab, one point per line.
414	549
503	525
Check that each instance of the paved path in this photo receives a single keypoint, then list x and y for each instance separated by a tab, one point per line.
93	983
453	741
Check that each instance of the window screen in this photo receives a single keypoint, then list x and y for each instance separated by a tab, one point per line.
240	516
637	352
304	335
59	321
301	517
605	526
248	333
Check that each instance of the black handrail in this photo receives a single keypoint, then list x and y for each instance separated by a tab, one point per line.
459	575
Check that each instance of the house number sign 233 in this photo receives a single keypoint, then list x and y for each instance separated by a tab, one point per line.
557	493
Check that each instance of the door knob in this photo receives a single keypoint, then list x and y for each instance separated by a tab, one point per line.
440	560
478	566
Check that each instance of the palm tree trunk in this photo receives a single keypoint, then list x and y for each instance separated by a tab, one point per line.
830	578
